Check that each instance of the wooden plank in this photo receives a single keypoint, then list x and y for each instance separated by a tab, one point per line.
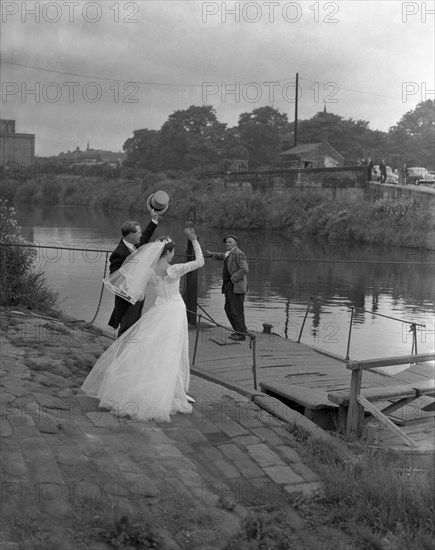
388	392
312	399
386	421
390	361
397	405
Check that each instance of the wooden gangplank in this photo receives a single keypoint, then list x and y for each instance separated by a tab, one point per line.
296	373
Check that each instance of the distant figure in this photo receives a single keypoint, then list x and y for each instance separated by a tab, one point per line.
234	285
383	171
404	173
369	168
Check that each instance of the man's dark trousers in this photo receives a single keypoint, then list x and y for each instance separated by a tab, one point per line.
234	308
132	315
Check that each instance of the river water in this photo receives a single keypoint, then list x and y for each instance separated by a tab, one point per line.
285	271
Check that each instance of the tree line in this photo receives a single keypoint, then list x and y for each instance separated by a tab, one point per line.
192	137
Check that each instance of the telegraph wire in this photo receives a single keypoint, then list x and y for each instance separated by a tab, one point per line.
183	85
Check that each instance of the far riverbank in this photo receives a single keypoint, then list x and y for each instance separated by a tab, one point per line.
388	222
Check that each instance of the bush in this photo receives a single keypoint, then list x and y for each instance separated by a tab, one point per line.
8	188
19	284
26	192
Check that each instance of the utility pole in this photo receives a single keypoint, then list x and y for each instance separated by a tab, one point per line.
295	133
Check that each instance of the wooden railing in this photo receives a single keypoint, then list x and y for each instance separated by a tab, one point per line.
353	403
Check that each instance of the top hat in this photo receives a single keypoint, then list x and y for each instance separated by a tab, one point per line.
232	236
158	201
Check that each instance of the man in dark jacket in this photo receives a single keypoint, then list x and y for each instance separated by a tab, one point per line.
124	314
234	285
383	171
369	169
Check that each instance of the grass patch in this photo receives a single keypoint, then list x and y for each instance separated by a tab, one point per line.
382	506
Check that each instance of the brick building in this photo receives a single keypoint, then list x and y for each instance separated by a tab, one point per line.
15	147
311	155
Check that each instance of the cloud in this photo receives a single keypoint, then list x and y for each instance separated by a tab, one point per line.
357	53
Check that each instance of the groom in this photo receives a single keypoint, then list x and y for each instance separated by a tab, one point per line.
124	314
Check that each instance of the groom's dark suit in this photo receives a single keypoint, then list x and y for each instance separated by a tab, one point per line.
125	314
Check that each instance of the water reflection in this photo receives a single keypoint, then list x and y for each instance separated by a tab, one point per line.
284	272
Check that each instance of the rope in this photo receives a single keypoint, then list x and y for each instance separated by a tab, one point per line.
101	292
260	259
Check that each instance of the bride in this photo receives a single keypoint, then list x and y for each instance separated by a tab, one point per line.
145	373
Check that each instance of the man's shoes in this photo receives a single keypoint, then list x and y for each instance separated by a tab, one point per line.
237	337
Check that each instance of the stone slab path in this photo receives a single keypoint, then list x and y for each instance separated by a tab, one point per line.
63	459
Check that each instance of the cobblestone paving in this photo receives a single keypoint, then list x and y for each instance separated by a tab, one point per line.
60	451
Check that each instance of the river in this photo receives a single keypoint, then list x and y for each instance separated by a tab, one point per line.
284	272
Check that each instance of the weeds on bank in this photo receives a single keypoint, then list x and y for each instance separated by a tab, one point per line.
387	221
381	505
89	523
20	285
267	531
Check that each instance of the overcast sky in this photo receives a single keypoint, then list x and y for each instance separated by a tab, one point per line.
74	71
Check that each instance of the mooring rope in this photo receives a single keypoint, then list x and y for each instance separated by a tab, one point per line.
101	292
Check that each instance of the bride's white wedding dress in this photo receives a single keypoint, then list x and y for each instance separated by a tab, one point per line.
145	373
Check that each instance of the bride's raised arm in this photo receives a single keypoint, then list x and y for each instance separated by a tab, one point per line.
178	270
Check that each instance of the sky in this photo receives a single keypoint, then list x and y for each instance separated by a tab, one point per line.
75	72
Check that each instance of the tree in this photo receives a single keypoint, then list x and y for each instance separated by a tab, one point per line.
190	138
413	136
142	149
262	132
351	138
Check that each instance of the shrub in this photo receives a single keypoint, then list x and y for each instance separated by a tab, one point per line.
50	192
26	192
397	210
8	188
19	285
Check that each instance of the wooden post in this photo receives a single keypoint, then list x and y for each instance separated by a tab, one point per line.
196	339
303	322
295	133
254	360
191	285
350	332
355	414
414	338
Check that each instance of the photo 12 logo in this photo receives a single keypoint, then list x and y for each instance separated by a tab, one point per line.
414	88
269	12
254	92
53	12
416	10
54	92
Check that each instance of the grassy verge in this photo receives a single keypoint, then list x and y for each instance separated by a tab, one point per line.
380	505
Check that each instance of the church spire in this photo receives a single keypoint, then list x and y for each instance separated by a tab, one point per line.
87	148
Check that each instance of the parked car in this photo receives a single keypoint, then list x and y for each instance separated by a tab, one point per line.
391	176
417	175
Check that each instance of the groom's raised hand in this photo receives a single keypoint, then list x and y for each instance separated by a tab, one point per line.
154	215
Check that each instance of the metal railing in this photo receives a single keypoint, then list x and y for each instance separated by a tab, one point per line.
252	340
412	324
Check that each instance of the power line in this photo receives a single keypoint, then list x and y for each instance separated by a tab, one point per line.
176	85
350	90
170	84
